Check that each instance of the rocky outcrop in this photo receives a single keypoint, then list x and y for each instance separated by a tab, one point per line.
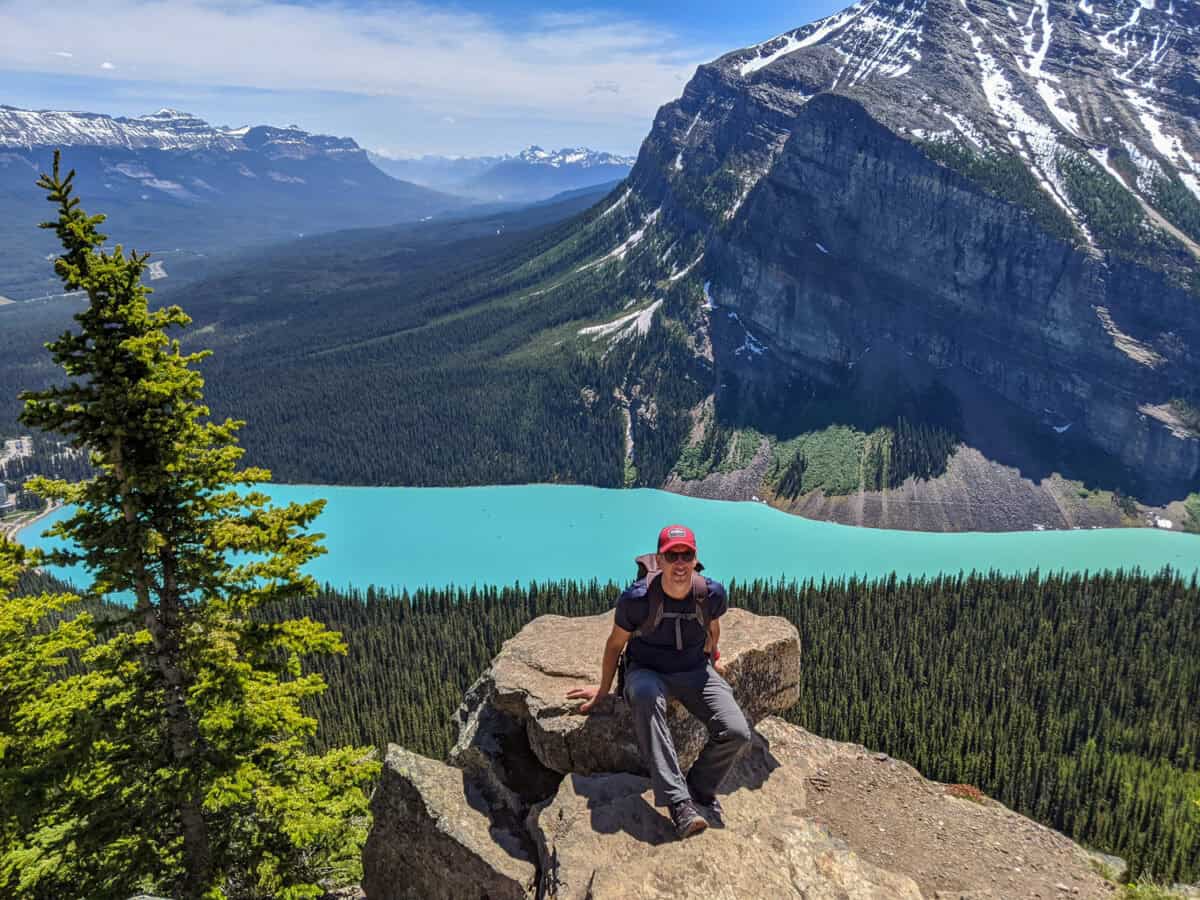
434	838
527	685
804	817
600	838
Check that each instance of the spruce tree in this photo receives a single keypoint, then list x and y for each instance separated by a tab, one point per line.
186	754
36	642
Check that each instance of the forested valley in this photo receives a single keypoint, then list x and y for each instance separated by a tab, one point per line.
1065	697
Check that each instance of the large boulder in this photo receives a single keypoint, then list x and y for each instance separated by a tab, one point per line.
436	837
526	686
600	838
804	817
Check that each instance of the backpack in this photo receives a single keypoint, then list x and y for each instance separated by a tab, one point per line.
647	568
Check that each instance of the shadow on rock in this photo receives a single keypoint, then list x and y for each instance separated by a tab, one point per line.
753	768
617	805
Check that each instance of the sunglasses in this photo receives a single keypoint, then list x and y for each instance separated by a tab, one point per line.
673	556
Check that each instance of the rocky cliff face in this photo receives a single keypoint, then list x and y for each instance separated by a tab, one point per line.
542	803
999	198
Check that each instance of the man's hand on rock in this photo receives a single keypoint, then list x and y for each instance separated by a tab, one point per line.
589	695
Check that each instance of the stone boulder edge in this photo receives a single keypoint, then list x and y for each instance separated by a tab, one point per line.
436	836
804	817
600	838
527	683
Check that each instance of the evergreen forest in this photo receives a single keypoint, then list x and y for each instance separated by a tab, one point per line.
1066	697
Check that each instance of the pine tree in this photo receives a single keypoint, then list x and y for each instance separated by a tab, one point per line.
33	650
186	764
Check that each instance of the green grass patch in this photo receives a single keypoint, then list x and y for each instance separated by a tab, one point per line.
841	459
829	460
1146	890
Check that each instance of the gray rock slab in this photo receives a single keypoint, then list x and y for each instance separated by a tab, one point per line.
434	838
601	838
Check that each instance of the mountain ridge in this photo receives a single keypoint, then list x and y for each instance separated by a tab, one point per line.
166	130
529	175
173	177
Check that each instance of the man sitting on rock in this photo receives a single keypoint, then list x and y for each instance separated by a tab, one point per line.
675	658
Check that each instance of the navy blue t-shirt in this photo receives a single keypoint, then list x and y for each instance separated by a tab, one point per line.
657	649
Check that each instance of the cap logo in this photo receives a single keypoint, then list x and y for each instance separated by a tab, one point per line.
676	532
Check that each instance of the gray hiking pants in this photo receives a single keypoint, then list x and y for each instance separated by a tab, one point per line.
708	697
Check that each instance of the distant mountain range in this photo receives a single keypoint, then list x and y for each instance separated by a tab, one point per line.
533	174
170	179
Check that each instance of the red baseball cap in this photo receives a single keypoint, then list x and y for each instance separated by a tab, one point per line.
676	536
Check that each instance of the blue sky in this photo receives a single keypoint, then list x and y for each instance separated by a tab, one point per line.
403	78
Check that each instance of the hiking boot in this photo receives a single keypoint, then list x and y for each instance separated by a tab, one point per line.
686	820
712	811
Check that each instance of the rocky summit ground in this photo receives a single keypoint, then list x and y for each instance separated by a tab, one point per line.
545	804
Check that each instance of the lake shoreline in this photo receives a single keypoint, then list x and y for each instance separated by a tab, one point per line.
402	538
11	531
808	507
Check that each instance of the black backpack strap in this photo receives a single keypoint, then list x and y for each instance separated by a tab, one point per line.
654	606
700	596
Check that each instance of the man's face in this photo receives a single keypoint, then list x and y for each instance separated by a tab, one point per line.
677	563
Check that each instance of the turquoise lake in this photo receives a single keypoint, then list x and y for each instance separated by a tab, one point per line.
414	537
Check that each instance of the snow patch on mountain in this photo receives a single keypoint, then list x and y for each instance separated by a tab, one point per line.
634	324
872	38
809	35
625	246
1033	139
579	157
1169	145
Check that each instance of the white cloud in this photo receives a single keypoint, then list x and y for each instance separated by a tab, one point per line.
63	53
623	69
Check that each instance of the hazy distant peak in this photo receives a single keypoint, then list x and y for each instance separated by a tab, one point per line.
582	157
166	129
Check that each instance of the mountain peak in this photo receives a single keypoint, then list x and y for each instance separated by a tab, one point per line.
166	129
1111	80
582	157
168	113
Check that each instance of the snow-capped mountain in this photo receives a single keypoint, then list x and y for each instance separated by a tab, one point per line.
1115	80
166	129
980	214
580	157
531	175
172	179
